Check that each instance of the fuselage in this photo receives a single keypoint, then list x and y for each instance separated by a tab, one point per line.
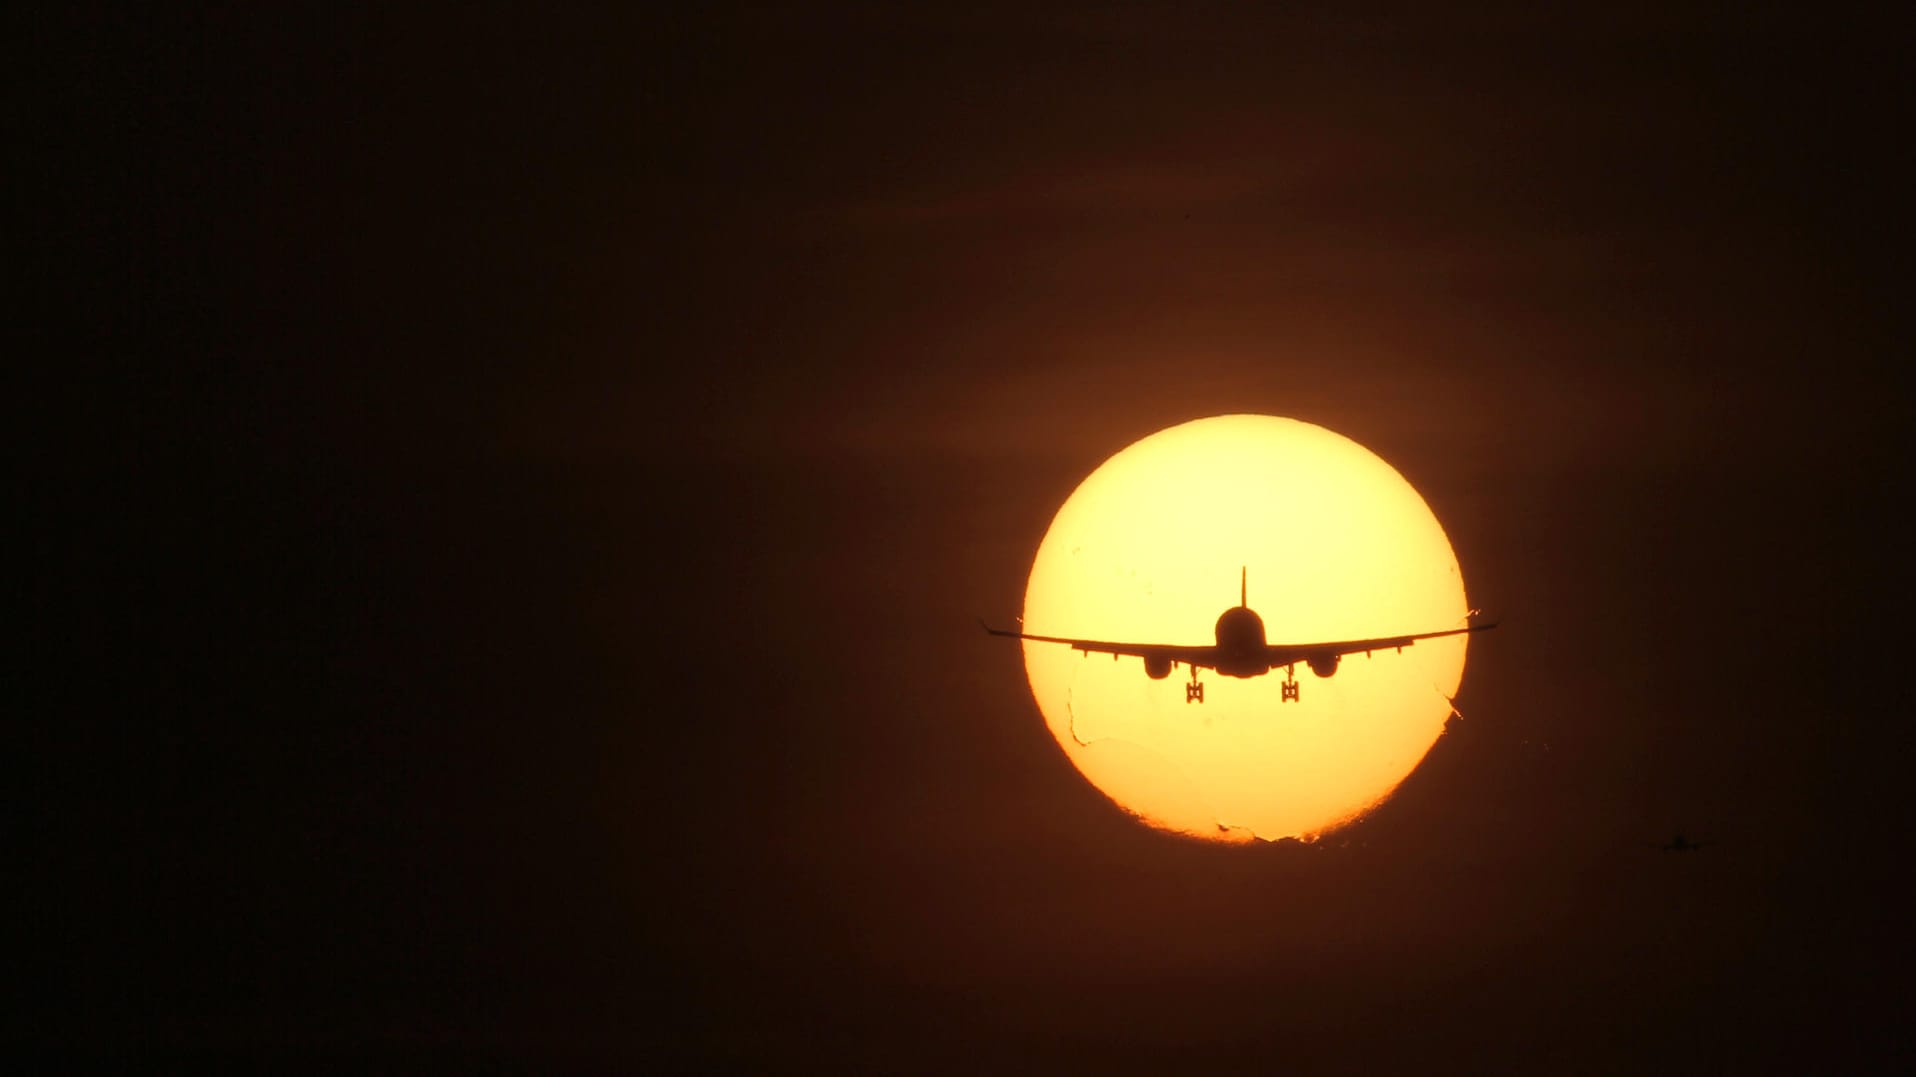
1241	650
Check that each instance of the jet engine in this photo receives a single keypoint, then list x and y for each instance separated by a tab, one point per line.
1324	664
1157	667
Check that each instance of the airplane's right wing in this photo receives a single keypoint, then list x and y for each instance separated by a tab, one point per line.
1281	654
1202	657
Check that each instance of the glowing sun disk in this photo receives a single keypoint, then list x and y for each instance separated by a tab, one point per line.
1336	545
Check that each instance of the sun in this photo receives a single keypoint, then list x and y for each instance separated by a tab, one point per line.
1333	544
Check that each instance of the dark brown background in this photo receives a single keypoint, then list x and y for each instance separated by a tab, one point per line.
507	502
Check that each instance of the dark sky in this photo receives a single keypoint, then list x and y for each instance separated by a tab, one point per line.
505	503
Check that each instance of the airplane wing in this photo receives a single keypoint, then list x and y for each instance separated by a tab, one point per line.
1203	657
1283	654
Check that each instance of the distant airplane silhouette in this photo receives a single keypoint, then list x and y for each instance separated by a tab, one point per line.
1680	844
1240	650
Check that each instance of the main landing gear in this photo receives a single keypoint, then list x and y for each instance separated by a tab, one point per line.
1288	691
1194	692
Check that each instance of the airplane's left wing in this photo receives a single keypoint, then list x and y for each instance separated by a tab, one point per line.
1202	657
1283	654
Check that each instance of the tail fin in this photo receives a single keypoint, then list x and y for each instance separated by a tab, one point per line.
1243	585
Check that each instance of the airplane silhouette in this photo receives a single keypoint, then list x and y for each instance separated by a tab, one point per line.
1680	844
1240	650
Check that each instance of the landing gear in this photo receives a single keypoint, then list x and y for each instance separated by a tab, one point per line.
1194	692
1289	693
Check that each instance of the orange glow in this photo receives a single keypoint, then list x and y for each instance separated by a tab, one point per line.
1337	546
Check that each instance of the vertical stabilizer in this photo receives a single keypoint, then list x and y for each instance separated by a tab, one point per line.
1244	586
